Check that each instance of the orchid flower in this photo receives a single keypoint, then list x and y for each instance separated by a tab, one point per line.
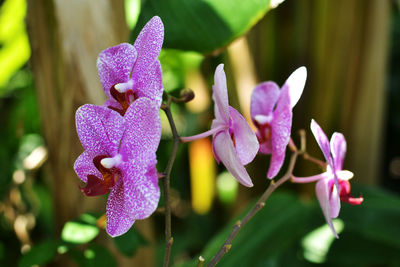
128	72
333	185
234	143
271	112
119	158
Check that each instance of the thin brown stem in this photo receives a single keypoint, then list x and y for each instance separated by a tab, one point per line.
256	208
166	181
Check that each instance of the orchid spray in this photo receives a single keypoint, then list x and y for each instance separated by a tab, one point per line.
120	139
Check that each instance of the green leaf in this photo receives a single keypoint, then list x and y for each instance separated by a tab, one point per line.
377	218
78	233
202	25
277	227
130	242
40	254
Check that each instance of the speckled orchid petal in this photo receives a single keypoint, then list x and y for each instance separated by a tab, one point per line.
220	95
141	191
322	141
295	84
323	195
99	128
280	136
148	46
143	129
264	98
338	150
119	220
115	65
84	166
150	84
226	153
246	143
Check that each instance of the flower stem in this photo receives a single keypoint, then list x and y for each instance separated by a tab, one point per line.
166	181
259	205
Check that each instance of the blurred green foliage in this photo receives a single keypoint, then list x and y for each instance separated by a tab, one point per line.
14	44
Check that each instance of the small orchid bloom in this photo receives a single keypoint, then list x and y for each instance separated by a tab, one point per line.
119	159
271	112
234	143
333	185
128	72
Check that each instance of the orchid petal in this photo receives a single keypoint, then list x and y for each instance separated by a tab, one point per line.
115	65
295	84
141	188
322	192
280	136
99	128
246	143
338	150
143	130
148	46
226	152
266	147
84	166
119	220
263	99
322	141
150	84
220	95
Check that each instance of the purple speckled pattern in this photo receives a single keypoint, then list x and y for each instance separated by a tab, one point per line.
115	64
135	137
99	129
274	106
235	144
148	46
119	218
143	130
84	166
150	85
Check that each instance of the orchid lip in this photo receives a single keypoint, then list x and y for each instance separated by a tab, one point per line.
262	119
111	162
123	87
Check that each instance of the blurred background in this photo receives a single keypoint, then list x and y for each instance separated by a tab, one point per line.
48	52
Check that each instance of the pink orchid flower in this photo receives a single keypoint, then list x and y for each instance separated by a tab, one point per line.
271	112
128	72
234	143
120	159
333	185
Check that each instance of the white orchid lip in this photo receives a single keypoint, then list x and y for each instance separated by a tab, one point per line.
262	119
111	162
123	87
344	175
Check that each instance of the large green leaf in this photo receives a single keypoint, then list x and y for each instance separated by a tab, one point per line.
276	228
202	25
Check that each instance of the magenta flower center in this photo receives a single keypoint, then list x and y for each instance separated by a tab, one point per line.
344	192
96	186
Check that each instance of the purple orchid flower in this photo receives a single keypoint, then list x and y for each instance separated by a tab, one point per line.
119	158
128	72
234	143
333	185
271	112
